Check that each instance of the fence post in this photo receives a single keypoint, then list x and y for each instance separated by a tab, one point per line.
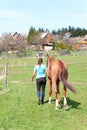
5	76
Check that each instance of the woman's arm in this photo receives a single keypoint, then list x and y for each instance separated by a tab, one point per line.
34	72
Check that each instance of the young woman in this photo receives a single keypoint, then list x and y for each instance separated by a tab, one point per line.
40	72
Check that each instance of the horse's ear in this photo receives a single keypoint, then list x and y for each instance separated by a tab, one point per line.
53	55
47	55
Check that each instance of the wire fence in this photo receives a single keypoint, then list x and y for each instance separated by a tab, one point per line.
62	52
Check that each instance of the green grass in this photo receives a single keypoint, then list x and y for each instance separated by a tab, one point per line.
18	106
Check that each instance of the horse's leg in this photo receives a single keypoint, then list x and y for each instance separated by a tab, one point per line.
57	94
65	100
50	91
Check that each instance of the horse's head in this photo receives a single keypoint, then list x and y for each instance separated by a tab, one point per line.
50	59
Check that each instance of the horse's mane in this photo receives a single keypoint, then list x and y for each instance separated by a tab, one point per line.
50	58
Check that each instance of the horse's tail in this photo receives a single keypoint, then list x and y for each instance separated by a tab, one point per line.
63	78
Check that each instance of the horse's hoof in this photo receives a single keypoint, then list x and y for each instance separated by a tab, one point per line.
56	107
66	107
49	102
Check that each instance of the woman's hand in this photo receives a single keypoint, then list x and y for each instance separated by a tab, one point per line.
32	77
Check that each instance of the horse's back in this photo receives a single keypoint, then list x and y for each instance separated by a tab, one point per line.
58	66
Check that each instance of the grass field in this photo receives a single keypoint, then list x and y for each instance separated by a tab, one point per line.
18	106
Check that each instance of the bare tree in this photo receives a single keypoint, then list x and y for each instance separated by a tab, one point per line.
5	41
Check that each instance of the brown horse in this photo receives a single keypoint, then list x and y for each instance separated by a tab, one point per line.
57	72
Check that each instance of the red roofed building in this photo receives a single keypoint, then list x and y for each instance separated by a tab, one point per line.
46	45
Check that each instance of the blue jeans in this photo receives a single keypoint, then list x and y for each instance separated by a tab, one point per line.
41	84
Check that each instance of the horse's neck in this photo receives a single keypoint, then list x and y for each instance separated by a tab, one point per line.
50	60
49	64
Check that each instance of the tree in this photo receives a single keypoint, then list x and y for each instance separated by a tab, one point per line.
5	41
9	43
40	30
31	35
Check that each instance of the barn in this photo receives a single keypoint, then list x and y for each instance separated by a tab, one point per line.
47	44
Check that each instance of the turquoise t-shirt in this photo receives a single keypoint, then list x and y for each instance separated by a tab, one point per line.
40	71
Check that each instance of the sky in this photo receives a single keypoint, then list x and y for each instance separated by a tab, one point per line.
20	15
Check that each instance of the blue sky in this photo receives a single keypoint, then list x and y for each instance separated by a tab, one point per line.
20	15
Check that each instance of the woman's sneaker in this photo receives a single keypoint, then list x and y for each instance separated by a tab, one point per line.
38	101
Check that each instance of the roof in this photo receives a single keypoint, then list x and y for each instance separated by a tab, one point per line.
49	44
43	35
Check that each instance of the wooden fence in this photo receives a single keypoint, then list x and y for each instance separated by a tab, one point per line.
4	76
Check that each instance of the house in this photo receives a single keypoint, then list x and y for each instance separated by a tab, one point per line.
47	44
17	36
17	43
67	36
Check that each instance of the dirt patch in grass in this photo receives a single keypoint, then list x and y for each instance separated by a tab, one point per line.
29	81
